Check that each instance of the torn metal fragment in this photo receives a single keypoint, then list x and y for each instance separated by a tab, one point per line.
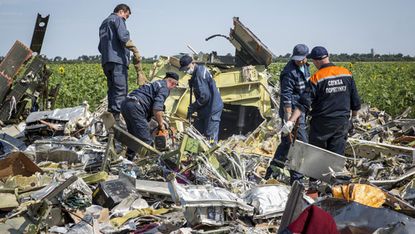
269	201
9	144
110	193
17	163
315	162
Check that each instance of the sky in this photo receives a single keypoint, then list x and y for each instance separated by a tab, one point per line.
164	27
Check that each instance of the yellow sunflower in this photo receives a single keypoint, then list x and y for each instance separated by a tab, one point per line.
61	70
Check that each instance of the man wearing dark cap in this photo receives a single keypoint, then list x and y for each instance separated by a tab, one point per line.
145	102
293	81
115	46
208	103
329	99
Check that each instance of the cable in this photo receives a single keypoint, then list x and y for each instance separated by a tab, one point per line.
354	158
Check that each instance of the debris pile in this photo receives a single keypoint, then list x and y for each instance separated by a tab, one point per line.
65	171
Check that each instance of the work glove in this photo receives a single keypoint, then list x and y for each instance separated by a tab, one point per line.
353	123
141	77
190	110
130	45
136	59
287	128
355	120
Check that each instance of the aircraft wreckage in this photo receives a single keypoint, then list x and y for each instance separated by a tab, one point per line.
63	170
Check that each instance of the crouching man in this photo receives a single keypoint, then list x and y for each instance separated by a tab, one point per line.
143	103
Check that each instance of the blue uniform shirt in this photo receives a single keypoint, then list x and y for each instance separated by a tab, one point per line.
151	96
113	35
293	82
208	99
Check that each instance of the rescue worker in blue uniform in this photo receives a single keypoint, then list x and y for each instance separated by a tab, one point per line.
331	97
208	103
293	81
143	103
115	46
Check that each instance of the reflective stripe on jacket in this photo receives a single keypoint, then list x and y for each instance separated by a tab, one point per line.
332	93
152	96
113	35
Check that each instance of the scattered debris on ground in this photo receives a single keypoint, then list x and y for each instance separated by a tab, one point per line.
64	170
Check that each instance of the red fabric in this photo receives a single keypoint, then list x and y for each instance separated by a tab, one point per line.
146	227
314	220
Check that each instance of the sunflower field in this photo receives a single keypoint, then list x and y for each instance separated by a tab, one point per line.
389	86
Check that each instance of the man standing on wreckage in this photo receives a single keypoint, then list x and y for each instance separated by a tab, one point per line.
329	99
208	103
141	104
293	81
115	46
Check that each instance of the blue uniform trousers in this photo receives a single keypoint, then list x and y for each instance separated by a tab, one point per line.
136	120
209	125
117	81
329	133
283	148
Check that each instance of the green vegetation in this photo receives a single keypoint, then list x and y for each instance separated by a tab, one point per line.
85	81
387	86
390	86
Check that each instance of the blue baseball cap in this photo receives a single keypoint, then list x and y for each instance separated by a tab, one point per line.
300	51
185	60
318	52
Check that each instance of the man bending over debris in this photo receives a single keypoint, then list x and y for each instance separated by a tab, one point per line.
114	46
144	102
331	95
293	81
208	104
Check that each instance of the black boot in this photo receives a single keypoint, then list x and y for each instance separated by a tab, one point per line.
268	173
117	116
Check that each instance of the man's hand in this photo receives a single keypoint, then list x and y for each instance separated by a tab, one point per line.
354	122
288	127
162	127
287	116
190	111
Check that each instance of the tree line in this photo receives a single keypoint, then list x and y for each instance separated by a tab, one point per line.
343	57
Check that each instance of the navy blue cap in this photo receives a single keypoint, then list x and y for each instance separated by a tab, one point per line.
172	75
300	51
318	52
185	60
